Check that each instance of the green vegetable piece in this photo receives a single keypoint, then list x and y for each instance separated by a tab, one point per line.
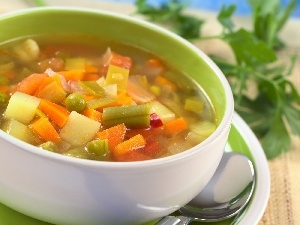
3	100
117	75
93	88
133	116
99	148
75	102
194	105
79	152
49	146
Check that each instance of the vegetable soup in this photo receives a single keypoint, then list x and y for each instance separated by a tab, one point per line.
97	99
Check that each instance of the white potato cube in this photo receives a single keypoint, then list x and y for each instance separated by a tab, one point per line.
79	129
18	130
22	107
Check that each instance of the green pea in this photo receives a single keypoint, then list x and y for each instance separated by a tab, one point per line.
75	102
99	148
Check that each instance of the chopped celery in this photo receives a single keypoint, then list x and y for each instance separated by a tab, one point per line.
164	113
117	75
193	105
99	148
133	116
93	88
101	102
194	138
75	64
203	128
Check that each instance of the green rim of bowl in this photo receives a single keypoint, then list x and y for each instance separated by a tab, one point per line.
185	57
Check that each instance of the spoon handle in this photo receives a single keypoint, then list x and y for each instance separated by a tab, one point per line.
168	220
173	220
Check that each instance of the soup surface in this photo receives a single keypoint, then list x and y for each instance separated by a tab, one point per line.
99	99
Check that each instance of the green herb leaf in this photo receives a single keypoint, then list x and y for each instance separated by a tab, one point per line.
224	17
269	16
273	113
171	14
248	49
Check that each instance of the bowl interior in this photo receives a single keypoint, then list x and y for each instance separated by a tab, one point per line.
184	57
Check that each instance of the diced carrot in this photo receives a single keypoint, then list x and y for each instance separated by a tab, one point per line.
91	76
57	113
92	114
30	84
91	69
155	63
163	81
47	80
132	156
121	61
73	74
146	132
115	135
176	126
134	143
45	129
152	148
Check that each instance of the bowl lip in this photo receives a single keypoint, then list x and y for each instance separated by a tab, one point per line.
221	130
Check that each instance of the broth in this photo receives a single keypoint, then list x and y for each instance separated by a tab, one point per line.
97	99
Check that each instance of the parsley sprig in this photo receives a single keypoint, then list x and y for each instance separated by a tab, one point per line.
273	112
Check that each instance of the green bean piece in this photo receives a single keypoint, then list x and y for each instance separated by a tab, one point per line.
99	148
78	153
49	146
75	102
133	116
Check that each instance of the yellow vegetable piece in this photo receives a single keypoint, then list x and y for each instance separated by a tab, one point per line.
117	75
79	129
22	107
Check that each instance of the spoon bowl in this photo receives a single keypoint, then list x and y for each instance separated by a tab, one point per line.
226	194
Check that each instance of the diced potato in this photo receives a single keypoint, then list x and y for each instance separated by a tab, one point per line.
27	51
79	130
19	130
164	113
22	107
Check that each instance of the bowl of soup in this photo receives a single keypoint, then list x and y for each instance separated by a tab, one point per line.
105	118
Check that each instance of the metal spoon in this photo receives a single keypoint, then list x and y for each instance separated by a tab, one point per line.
226	194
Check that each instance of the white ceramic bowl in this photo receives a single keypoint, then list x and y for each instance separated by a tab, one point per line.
65	190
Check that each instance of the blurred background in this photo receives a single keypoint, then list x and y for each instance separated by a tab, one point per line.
215	5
